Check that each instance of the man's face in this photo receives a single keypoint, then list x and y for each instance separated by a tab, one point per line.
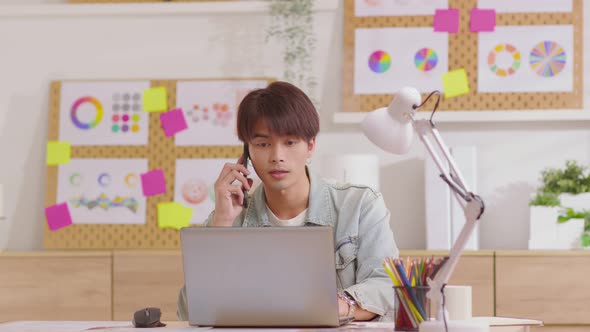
279	161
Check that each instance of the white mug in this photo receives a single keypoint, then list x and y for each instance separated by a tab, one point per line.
457	302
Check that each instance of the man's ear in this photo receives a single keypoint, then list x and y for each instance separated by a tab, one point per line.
311	146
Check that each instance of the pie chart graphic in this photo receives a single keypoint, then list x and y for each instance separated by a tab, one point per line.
547	58
379	61
98	115
425	59
504	51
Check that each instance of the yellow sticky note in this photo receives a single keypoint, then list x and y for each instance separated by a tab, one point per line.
155	99
174	215
455	83
58	153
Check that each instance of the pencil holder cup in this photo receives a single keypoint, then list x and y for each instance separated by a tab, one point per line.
411	307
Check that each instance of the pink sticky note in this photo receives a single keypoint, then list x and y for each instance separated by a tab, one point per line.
173	122
482	20
58	216
446	20
153	183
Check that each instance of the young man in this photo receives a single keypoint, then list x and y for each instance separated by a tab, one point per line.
280	124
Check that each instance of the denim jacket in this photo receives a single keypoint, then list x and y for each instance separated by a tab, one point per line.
362	238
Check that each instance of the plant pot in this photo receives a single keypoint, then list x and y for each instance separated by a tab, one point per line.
569	234
543	227
578	202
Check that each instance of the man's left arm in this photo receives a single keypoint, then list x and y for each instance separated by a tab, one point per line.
373	290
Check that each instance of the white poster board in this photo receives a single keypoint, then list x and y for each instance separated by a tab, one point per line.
387	59
210	109
103	191
103	113
537	58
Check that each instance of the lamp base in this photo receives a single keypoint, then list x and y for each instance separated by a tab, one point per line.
454	326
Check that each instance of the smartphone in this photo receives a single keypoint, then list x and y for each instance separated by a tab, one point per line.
246	155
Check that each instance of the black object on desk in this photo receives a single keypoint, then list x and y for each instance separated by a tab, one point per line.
148	317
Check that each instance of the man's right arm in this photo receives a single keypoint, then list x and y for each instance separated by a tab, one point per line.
229	197
228	205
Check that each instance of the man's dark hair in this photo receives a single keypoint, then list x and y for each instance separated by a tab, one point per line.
286	110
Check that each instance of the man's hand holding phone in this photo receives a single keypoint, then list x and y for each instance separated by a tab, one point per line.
229	196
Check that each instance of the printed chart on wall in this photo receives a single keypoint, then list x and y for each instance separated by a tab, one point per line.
527	59
388	59
210	109
527	6
103	191
103	113
397	7
194	185
483	55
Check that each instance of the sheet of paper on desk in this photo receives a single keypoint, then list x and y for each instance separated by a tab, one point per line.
509	324
509	321
166	329
65	326
256	330
358	326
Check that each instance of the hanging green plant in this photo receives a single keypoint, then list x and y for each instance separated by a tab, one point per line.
292	25
573	178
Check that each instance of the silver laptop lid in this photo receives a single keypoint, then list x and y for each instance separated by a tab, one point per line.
264	276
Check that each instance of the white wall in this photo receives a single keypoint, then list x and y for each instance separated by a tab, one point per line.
55	42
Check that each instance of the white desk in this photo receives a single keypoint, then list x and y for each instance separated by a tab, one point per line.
497	325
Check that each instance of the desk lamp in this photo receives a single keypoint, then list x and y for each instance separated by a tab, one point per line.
392	129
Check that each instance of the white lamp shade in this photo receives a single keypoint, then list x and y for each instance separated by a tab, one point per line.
387	133
390	128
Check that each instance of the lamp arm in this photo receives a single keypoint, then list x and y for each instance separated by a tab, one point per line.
455	173
471	204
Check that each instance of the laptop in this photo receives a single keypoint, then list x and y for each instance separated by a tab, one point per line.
260	276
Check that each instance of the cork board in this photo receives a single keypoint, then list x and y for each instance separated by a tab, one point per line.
463	49
161	152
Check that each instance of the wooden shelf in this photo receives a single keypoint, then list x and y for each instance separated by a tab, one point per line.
112	284
56	253
55	286
553	288
146	278
544	253
151	9
481	116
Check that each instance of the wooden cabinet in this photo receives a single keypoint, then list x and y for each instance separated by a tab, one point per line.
475	269
55	286
552	286
146	279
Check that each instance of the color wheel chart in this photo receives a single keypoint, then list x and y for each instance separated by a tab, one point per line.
74	113
425	59
545	59
380	61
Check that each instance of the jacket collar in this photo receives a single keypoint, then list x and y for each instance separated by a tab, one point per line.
319	212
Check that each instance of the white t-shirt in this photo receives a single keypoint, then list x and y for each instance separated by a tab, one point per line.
296	221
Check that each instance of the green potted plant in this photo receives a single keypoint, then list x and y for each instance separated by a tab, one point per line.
560	210
292	26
